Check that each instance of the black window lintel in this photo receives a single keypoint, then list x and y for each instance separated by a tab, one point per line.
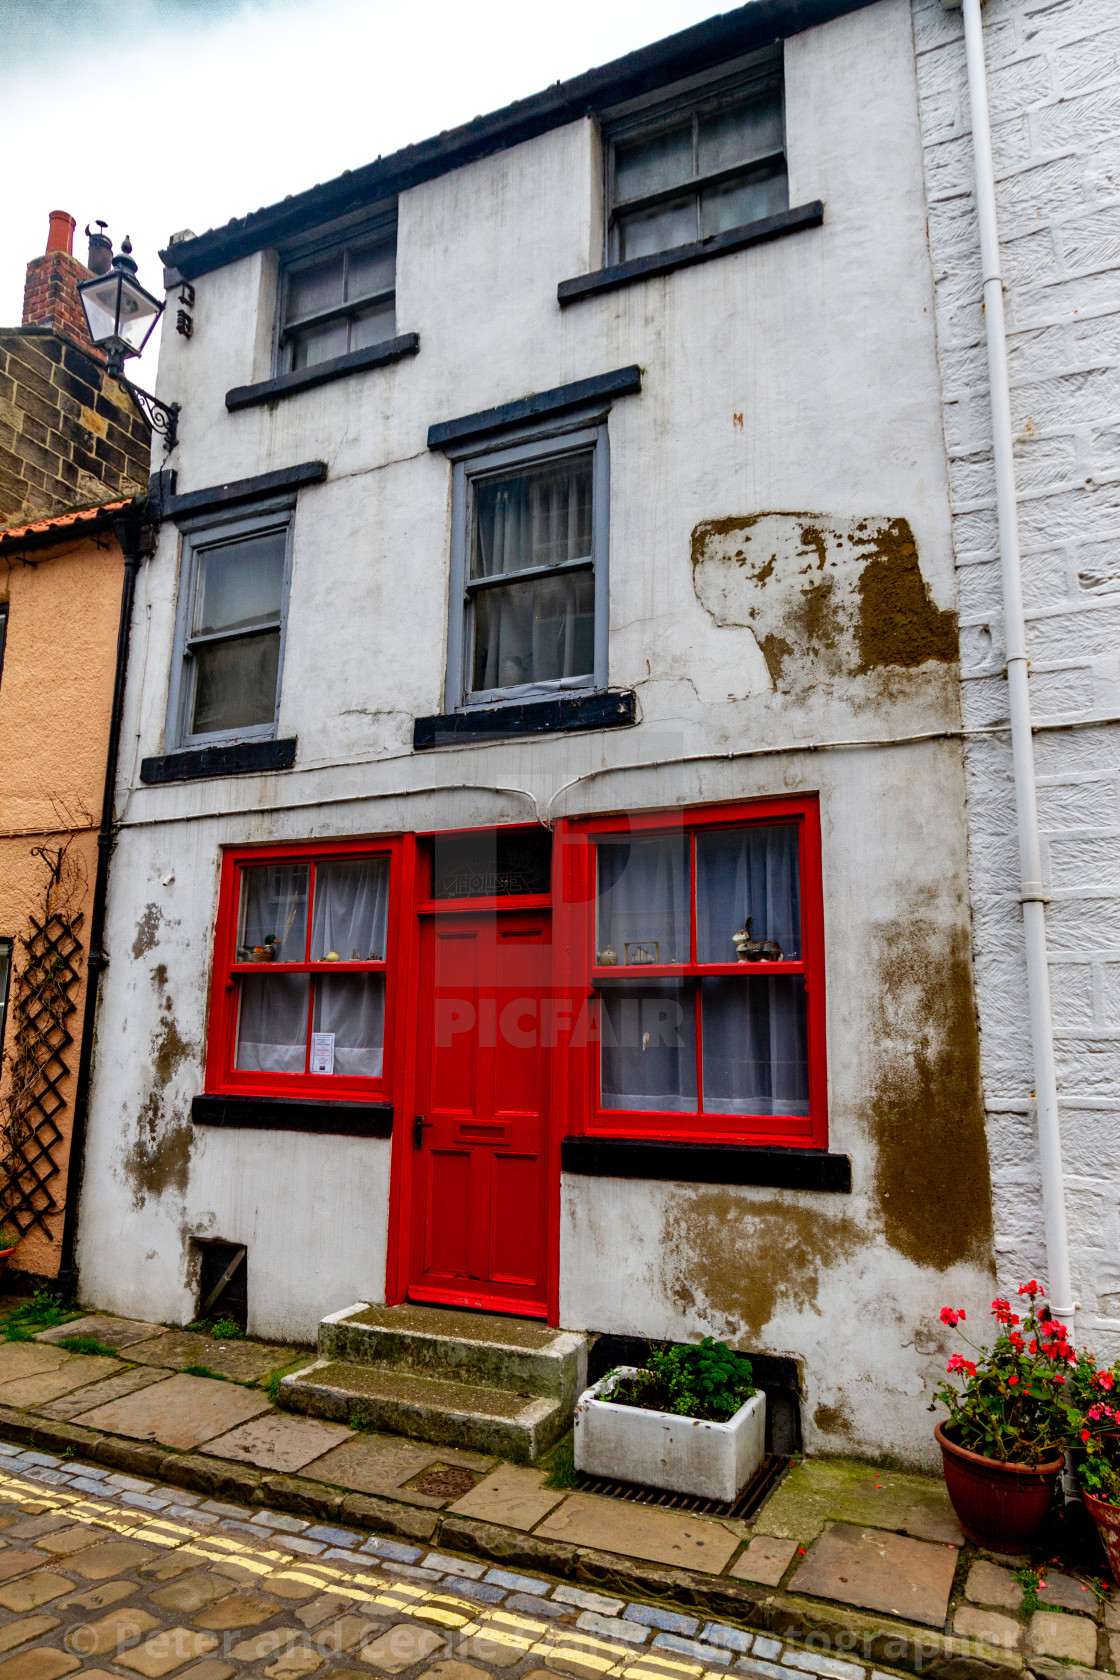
609	709
244	489
295	1114
237	758
338	367
685	256
707	1163
621	382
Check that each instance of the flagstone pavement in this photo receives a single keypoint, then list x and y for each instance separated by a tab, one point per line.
115	1574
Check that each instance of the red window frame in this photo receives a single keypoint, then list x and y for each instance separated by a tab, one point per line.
222	1077
580	903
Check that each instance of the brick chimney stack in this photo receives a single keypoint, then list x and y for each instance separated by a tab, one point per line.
50	295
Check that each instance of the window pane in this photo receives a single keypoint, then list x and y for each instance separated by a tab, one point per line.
540	631
272	1023
315	288
738	202
643	909
645	232
537	517
371	269
351	1008
320	344
648	1046
741	132
351	910
273	908
239	583
235	683
756	1058
653	162
748	880
373	326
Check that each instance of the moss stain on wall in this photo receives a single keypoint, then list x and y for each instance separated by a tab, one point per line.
932	1175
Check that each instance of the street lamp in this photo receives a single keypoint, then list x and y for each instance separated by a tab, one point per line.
122	317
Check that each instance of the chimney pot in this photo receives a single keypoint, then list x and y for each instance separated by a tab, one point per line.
61	235
100	259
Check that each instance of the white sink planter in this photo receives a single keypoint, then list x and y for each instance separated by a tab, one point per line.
660	1449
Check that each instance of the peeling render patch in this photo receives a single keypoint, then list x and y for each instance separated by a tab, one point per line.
147	932
824	598
732	1264
158	1159
932	1180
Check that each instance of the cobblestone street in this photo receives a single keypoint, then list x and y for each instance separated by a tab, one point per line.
104	1573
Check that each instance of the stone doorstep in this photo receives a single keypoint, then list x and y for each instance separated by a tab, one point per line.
887	1643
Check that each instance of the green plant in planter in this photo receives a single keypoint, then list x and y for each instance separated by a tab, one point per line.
1013	1406
8	1240
1093	1410
702	1380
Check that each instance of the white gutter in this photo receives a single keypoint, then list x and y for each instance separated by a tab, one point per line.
1032	894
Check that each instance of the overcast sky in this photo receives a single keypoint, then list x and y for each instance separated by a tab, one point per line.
158	115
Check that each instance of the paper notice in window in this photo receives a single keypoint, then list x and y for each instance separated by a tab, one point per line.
322	1052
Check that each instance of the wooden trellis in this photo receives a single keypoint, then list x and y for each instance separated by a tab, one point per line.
44	1000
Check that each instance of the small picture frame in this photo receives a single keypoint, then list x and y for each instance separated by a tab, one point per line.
638	953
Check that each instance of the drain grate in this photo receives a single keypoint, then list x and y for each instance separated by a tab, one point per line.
766	1477
445	1481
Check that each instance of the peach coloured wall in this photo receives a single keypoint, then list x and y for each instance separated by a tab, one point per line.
55	696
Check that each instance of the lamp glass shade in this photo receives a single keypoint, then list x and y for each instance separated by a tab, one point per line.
120	313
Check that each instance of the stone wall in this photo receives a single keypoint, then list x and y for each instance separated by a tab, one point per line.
1054	87
69	437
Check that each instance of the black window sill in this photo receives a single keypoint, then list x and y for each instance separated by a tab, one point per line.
295	1114
339	367
526	717
241	758
685	256
707	1163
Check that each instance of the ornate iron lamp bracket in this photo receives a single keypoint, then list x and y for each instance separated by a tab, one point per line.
161	417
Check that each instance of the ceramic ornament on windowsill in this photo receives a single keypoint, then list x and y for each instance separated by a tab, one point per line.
748	949
608	957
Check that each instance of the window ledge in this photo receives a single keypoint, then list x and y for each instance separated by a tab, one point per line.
684	256
339	367
240	758
295	1114
605	710
707	1163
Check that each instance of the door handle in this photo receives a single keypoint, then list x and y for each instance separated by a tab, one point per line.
419	1125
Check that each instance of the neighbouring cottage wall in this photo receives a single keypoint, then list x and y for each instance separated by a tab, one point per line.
1054	88
781	575
69	436
55	699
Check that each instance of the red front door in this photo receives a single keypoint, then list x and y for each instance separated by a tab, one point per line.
480	1133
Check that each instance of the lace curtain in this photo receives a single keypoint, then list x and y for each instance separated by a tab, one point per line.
350	917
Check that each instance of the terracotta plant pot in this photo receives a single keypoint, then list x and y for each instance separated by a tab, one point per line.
1001	1506
6	1255
1107	1519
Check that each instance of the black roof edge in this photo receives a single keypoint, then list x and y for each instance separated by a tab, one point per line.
688	53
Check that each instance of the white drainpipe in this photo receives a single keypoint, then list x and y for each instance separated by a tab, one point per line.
1032	893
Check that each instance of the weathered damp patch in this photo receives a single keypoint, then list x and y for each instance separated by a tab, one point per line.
825	598
147	931
158	1158
927	1117
732	1263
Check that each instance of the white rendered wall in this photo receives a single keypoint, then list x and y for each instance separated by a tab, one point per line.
1054	87
796	381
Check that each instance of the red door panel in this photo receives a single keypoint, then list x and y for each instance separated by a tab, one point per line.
480	1198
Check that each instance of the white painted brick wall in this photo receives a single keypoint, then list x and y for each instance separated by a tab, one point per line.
1054	86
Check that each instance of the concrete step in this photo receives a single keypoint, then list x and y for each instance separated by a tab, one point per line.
501	1421
483	1349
